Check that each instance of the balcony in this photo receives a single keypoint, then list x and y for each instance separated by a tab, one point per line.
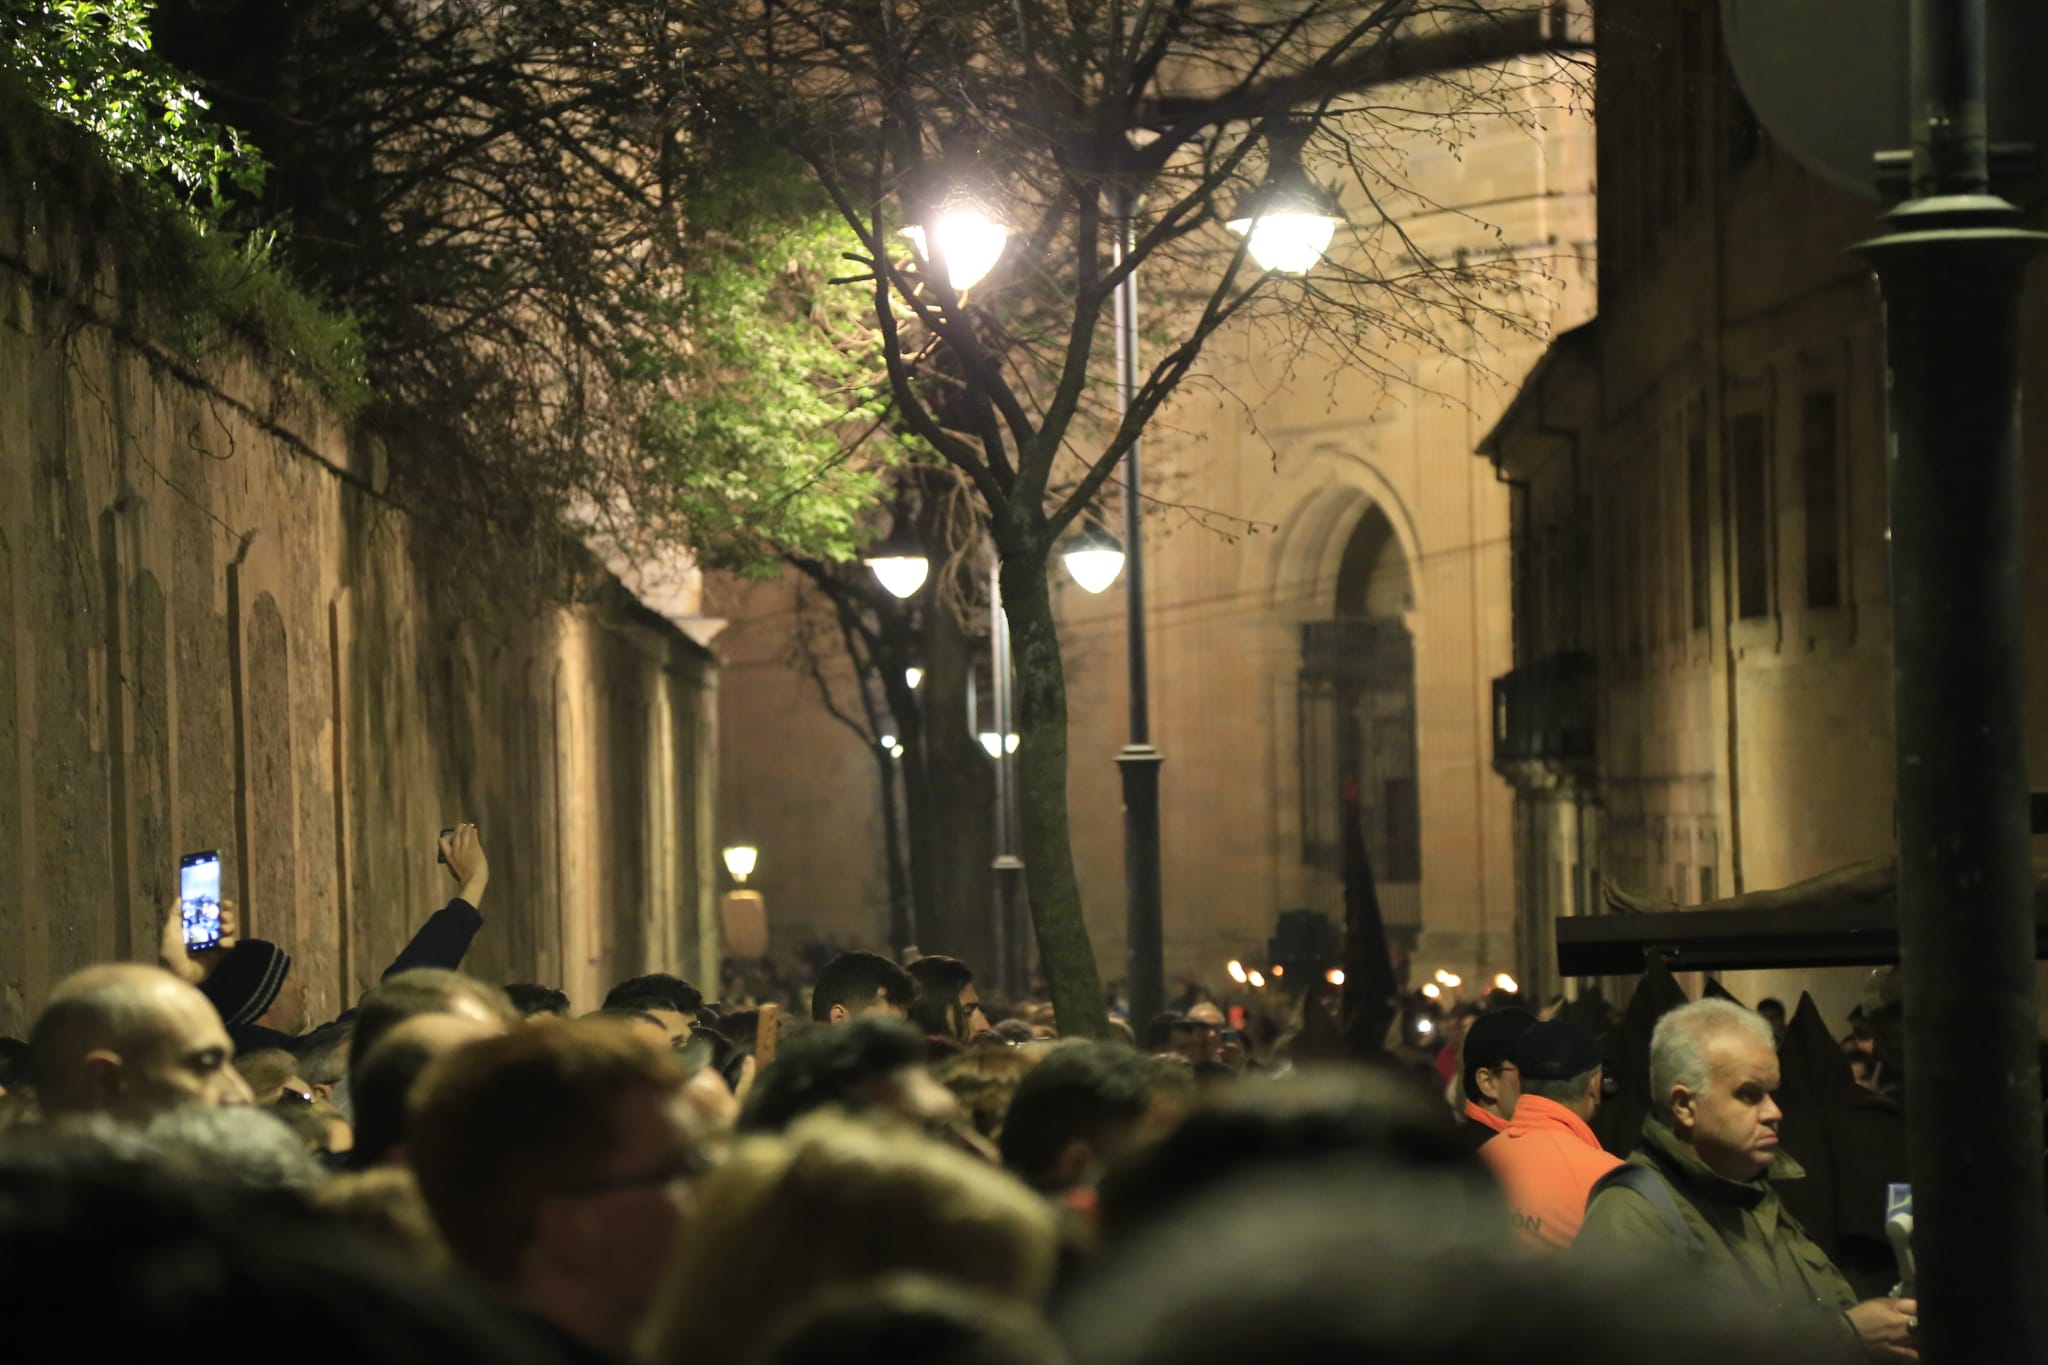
1543	718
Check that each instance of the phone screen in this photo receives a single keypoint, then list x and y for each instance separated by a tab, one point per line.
199	893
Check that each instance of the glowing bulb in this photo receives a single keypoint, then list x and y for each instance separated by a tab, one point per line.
902	575
887	741
1423	1026
896	751
1236	970
1504	982
1287	240
740	860
1448	980
1433	991
1258	982
992	742
969	242
1278	971
913	676
1094	568
1010	743
1335	976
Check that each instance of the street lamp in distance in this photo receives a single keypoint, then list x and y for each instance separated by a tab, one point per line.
965	238
1289	220
899	563
740	860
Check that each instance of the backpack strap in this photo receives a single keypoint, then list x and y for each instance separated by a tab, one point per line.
1656	1191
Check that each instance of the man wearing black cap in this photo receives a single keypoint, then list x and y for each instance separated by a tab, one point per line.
1547	1160
1489	1073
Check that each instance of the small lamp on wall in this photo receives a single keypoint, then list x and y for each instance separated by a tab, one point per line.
740	860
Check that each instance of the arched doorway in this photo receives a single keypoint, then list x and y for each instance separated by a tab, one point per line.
1357	708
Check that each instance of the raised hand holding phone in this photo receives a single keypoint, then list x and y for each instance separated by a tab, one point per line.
463	852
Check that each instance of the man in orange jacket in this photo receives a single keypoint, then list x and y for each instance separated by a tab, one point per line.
1488	1061
1547	1159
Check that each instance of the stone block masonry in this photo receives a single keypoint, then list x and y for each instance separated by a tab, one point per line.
217	632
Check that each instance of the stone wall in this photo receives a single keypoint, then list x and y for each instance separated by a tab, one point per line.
218	631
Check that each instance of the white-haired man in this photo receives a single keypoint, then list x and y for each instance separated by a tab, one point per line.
1698	1188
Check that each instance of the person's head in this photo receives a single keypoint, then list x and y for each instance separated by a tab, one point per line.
385	1204
253	987
1081	1108
424	990
120	1255
912	1320
531	999
947	1004
1182	1035
238	1147
130	1041
640	1021
832	1204
1208	1012
270	1072
13	1064
672	1001
554	1159
1488	1066
1713	1073
985	1080
1773	1011
323	1057
861	985
869	1064
390	1073
1315	1115
1559	1060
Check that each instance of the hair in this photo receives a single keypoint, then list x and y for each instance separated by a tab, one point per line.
656	990
266	1070
1566	1091
13	1063
385	1204
985	1081
530	999
236	1147
940	980
1339	1112
832	1067
1083	1091
627	1014
121	1257
912	1320
1770	1002
855	980
832	1205
505	1123
1271	1268
1160	1031
424	990
1678	1047
383	1087
323	1053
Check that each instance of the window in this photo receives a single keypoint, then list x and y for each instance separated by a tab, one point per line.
1697	525
1749	508
1820	454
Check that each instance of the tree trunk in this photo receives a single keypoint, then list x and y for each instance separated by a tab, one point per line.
958	806
902	931
1063	947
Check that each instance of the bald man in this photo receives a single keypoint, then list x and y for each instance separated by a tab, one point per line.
130	1041
391	1072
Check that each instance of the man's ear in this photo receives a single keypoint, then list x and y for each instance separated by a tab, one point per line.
1683	1106
1075	1159
322	1090
1488	1084
838	1014
100	1074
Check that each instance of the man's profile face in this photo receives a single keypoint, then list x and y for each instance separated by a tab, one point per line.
973	1019
1499	1087
881	1007
1733	1126
677	1025
187	1060
632	1209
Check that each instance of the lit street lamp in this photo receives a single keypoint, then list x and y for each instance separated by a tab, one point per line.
740	860
1289	220
1095	558
966	237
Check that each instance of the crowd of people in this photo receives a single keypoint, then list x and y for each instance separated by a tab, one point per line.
898	1171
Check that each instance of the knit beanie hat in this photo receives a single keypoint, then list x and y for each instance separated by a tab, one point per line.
247	980
1491	1040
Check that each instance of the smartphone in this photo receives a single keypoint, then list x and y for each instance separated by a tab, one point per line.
439	856
199	897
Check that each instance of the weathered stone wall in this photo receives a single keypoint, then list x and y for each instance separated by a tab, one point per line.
216	631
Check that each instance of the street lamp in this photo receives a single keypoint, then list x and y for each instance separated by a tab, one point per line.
899	562
740	860
967	239
1095	558
1289	220
912	677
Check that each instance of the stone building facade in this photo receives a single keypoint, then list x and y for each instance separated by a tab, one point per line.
216	632
1700	704
1328	595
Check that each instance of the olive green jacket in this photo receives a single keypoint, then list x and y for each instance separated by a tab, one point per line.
1748	1240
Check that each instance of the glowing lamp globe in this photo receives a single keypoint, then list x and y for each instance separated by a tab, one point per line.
901	575
740	860
966	239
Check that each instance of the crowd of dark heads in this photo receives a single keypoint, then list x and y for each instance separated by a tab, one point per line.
891	1170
